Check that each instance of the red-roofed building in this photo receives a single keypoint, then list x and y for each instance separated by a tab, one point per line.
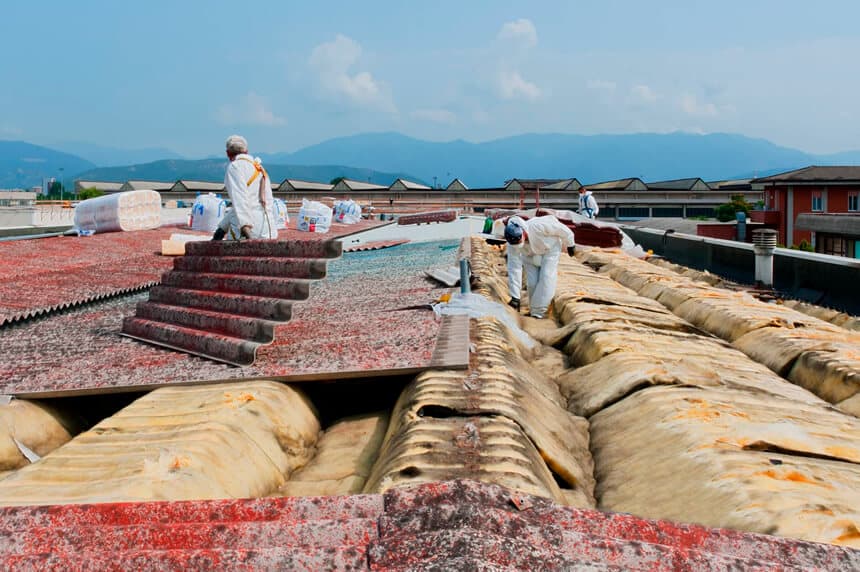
811	191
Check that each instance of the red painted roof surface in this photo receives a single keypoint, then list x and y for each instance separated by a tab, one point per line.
45	274
48	273
456	525
344	326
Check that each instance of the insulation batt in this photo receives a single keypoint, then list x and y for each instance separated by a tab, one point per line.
234	440
36	426
131	210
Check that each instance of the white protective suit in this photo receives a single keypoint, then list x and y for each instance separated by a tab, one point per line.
246	182
588	205
539	254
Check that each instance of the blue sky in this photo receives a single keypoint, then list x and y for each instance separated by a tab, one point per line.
185	74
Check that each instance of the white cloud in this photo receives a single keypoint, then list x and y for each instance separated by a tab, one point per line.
691	106
644	94
333	62
522	31
600	84
252	109
435	115
513	86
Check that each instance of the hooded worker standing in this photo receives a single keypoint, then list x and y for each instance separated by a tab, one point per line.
587	203
535	244
252	214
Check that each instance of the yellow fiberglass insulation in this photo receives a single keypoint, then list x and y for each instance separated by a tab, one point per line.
232	440
30	425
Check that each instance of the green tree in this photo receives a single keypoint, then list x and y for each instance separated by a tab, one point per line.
90	193
336	180
726	212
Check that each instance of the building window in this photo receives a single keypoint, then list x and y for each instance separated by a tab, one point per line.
853	202
817	202
834	245
633	213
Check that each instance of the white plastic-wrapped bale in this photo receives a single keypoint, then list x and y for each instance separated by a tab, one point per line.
207	212
131	210
282	217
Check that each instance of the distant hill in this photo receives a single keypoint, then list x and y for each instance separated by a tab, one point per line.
104	156
590	158
24	165
213	170
383	157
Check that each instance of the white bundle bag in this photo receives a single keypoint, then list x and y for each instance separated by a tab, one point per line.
131	210
282	217
207	212
347	212
314	217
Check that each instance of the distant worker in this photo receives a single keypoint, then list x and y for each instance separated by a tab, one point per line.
253	212
535	244
587	203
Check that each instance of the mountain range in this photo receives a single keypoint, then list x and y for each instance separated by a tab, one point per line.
213	170
589	158
383	157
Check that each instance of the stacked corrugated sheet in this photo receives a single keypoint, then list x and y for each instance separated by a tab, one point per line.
684	426
810	352
224	299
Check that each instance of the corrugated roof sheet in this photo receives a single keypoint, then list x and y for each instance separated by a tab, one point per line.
677	184
459	525
42	275
203	186
815	174
350	185
343	329
150	185
614	185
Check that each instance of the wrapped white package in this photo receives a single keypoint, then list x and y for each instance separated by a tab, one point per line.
314	217
282	217
207	212
131	210
347	212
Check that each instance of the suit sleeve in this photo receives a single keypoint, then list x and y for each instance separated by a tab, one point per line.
558	230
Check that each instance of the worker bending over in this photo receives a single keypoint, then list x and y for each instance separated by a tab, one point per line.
536	245
587	203
252	214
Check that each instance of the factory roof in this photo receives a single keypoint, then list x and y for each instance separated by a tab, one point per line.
650	392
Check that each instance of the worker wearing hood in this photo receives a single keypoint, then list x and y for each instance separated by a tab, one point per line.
252	214
535	245
587	204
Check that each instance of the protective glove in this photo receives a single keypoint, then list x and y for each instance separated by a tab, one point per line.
219	234
570	250
515	304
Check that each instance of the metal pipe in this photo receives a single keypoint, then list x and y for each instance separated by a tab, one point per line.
764	244
465	276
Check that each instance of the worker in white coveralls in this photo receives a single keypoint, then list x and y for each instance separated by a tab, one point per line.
253	212
535	244
587	203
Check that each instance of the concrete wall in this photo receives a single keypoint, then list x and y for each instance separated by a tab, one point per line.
41	216
818	278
